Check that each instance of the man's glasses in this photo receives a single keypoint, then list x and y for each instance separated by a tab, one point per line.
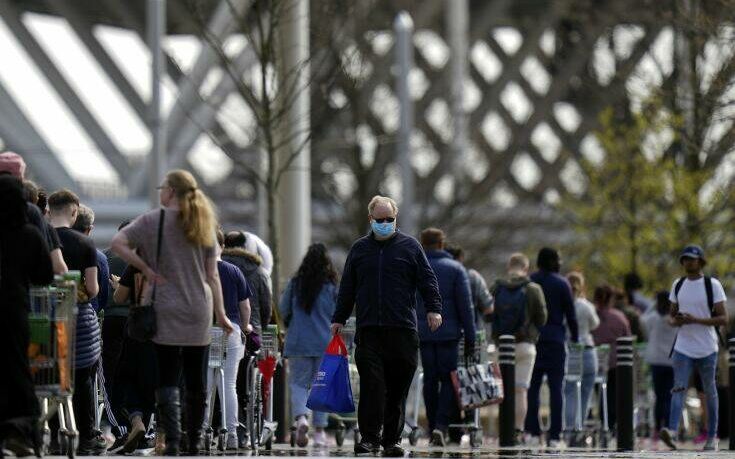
385	220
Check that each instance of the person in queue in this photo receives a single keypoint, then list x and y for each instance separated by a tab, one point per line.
187	289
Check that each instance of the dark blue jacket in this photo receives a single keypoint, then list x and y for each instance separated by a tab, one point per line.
559	304
381	278
457	310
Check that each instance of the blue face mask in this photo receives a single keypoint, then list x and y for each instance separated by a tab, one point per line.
383	229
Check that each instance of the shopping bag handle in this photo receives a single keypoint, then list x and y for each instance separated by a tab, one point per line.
337	346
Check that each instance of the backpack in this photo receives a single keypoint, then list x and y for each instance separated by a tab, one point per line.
510	310
710	304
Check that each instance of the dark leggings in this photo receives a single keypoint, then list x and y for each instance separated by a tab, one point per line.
663	382
192	360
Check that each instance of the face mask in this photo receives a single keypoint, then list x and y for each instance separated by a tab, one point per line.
383	229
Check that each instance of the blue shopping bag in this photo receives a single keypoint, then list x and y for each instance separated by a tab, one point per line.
331	391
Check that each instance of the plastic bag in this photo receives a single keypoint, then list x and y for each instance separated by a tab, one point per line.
331	391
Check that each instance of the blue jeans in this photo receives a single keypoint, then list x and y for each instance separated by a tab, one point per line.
439	359
589	370
706	367
550	360
301	375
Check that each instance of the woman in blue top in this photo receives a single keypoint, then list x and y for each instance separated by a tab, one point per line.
307	307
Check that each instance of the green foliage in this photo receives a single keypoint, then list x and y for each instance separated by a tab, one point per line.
641	206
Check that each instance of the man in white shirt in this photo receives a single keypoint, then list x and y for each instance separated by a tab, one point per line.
697	308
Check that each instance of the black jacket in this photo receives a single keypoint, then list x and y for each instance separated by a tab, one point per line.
382	278
259	282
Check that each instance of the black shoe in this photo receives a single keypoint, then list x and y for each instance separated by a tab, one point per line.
395	450
366	447
168	405
93	446
438	439
195	405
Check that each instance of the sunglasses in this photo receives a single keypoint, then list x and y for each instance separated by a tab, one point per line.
384	220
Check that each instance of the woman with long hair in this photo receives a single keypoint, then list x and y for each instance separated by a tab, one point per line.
187	287
307	307
587	320
24	260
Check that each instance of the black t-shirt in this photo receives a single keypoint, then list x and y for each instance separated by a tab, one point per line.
128	280
78	250
24	260
53	237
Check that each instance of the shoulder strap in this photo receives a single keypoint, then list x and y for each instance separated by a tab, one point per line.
159	242
710	293
677	287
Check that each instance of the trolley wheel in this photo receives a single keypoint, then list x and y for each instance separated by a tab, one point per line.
70	444
604	440
339	436
413	436
256	414
476	438
269	444
222	441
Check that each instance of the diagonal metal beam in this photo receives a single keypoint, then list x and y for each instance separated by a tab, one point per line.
83	28
12	18
21	136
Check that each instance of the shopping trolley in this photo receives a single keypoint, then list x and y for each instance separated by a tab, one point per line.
348	420
52	321
473	427
217	356
602	432
411	428
261	367
573	375
643	411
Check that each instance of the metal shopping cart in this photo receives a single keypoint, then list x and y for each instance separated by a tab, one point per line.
573	375
472	426
52	321
217	356
261	367
602	432
644	397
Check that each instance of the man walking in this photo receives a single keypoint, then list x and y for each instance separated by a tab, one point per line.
550	349
520	310
439	350
698	308
382	273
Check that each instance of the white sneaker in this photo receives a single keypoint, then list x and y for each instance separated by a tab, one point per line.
302	431
231	442
533	440
557	444
320	439
711	445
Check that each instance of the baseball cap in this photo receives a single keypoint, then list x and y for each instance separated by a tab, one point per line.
12	163
692	251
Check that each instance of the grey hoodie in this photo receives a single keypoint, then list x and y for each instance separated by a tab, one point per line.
259	282
536	313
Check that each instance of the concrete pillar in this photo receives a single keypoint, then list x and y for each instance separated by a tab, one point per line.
294	194
458	28
156	29
403	27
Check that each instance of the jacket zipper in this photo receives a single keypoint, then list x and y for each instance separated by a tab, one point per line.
380	286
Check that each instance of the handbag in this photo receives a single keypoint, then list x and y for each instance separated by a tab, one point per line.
142	318
331	391
477	385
